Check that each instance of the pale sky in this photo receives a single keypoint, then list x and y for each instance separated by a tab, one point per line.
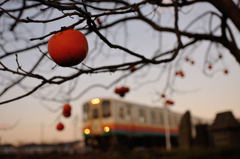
204	96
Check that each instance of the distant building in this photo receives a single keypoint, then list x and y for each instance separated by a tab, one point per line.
185	131
202	138
225	130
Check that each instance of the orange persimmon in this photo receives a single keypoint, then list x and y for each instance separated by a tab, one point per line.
67	107
66	114
68	48
60	126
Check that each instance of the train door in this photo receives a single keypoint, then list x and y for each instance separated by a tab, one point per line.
96	117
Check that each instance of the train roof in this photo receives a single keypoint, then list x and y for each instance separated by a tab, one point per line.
131	103
121	100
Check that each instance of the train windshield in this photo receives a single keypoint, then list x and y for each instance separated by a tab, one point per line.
96	109
95	113
85	111
106	108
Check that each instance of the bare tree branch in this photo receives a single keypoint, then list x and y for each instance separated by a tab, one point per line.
104	21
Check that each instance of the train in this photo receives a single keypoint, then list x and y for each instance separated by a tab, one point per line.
108	122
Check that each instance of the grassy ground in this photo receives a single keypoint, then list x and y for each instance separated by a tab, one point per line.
194	153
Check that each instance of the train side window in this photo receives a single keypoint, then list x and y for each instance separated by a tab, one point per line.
95	114
121	112
171	120
128	112
141	115
161	118
85	111
153	117
106	108
175	120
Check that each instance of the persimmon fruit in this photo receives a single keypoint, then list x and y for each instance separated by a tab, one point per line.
99	21
225	71
210	67
163	95
66	110
60	126
117	90
192	62
132	68
66	114
67	107
169	102
187	59
68	48
125	89
121	91
180	73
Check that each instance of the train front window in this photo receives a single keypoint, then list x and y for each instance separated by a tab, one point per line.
106	108
85	111
95	114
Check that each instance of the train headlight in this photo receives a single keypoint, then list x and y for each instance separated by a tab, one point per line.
95	101
106	129
87	131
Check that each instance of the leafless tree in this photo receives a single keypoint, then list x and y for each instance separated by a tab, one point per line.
24	56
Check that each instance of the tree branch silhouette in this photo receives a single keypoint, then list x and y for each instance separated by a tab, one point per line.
95	18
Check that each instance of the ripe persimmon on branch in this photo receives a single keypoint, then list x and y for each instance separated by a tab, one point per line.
109	25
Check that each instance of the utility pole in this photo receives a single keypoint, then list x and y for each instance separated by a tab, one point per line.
167	128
